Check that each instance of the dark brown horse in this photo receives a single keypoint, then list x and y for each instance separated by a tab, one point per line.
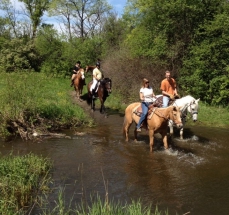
103	92
79	82
157	122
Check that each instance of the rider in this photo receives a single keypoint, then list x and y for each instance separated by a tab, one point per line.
147	97
75	71
97	76
168	87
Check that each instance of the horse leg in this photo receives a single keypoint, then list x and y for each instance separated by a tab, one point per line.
135	134
102	109
92	104
165	139
151	139
181	133
126	127
182	130
170	124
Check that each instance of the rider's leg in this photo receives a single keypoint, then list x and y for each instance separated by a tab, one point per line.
92	88
144	113
72	79
165	101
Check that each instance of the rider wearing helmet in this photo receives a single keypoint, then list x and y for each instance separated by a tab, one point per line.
97	76
75	71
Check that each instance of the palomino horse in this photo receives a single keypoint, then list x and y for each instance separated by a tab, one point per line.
157	121
189	105
79	82
104	89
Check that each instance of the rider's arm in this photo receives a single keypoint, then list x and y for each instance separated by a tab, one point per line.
142	98
175	92
165	93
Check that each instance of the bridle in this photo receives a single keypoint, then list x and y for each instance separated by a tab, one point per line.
173	118
185	108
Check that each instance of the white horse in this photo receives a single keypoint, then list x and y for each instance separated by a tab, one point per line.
189	105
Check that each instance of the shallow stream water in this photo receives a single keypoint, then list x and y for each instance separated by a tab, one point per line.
193	179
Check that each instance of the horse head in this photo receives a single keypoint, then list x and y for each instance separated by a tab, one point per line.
107	84
193	109
81	74
175	116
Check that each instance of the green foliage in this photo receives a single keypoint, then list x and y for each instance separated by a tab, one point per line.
18	54
35	10
21	177
205	69
53	62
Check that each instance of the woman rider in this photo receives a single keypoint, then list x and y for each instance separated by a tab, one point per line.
147	97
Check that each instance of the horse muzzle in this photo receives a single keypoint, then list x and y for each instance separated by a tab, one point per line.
179	125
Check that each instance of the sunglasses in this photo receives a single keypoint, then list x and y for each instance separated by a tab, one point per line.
146	82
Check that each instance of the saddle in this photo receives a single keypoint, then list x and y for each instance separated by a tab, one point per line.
158	103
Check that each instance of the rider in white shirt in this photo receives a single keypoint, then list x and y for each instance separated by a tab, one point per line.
97	76
147	97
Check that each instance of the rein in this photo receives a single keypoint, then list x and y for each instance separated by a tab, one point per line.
163	116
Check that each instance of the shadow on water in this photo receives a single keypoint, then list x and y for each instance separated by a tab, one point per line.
193	176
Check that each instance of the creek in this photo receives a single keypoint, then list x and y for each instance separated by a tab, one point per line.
194	179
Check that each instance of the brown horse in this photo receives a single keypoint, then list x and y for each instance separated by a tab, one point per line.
89	68
79	82
103	92
157	121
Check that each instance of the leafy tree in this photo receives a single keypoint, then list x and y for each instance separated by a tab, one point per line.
18	54
9	17
35	10
205	69
82	18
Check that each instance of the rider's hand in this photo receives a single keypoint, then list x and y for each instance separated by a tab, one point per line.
171	96
177	96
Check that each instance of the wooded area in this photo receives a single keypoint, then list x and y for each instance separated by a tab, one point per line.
190	38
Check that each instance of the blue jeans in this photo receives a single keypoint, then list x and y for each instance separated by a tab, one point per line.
145	107
165	101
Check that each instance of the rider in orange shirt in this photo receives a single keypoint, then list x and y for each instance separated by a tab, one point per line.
168	87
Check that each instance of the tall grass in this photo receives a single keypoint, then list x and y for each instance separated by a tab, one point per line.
100	207
20	179
28	100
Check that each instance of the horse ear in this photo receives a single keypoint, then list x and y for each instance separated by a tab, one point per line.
198	100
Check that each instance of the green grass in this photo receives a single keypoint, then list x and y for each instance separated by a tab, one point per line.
30	100
21	178
100	207
212	116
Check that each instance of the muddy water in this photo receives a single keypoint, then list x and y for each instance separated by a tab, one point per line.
192	179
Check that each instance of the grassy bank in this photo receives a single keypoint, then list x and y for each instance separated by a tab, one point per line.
32	102
21	180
